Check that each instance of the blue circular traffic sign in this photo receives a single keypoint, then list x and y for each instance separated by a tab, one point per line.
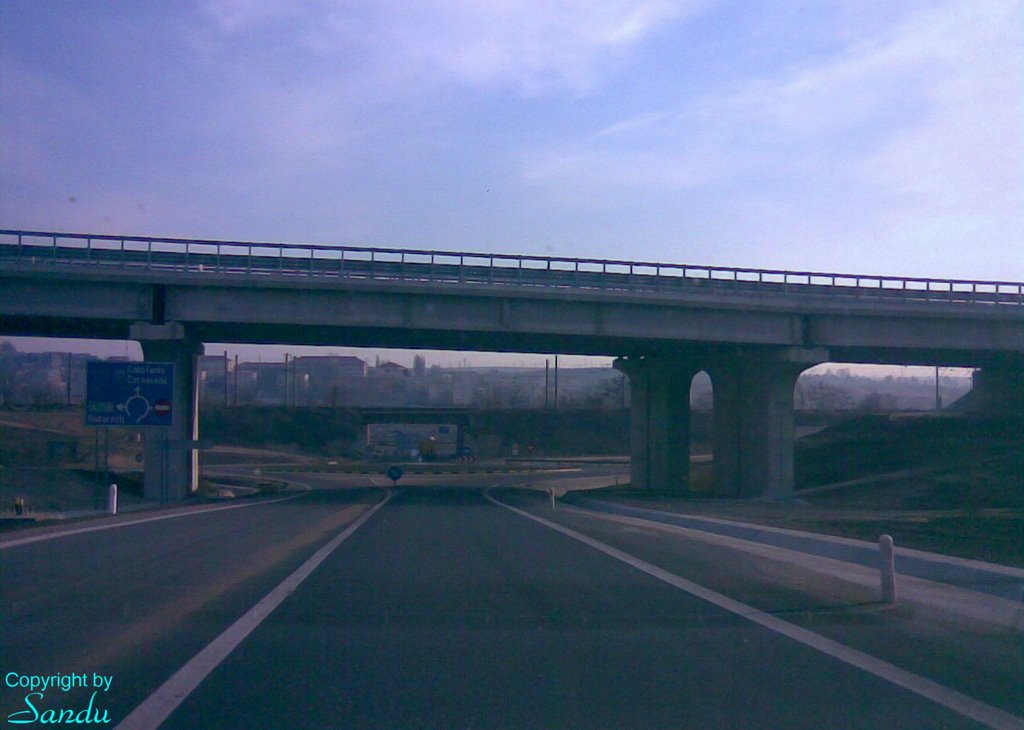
394	473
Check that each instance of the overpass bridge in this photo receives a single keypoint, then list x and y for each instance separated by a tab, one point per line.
752	330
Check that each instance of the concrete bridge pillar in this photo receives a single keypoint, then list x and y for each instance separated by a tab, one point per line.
659	389
995	391
753	421
171	467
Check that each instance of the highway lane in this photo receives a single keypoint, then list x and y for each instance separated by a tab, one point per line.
135	602
446	611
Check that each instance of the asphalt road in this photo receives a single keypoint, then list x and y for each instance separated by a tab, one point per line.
442	610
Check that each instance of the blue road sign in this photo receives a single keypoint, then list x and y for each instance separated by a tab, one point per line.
394	473
129	393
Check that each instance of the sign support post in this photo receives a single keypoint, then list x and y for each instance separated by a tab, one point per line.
132	394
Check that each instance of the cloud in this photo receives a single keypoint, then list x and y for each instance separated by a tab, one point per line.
762	130
240	16
533	46
873	91
317	85
966	155
906	138
539	46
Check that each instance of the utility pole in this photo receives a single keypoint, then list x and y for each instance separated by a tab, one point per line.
938	398
286	380
547	365
236	379
69	379
556	382
225	378
106	454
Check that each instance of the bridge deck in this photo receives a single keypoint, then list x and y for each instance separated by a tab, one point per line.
42	249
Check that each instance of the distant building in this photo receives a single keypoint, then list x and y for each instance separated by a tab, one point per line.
327	380
262	382
390	370
327	368
214	380
41	378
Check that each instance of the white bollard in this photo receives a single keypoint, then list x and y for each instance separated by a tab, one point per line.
552	493
112	499
887	565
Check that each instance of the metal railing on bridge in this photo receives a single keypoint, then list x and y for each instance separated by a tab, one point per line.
237	258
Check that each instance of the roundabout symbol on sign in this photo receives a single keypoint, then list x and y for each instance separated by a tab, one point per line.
136	407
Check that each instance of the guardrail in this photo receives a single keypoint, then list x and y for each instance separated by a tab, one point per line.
39	248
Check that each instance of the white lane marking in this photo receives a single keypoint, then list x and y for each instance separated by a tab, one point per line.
111	525
158	706
958	702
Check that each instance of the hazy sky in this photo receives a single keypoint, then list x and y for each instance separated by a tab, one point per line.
275	353
268	353
876	137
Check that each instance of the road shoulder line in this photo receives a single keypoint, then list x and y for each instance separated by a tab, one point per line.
601	505
956	602
126	523
958	702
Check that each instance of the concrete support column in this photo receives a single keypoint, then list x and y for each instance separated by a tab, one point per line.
171	468
995	392
659	390
753	421
727	394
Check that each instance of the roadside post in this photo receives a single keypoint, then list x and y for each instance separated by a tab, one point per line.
112	499
888	568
